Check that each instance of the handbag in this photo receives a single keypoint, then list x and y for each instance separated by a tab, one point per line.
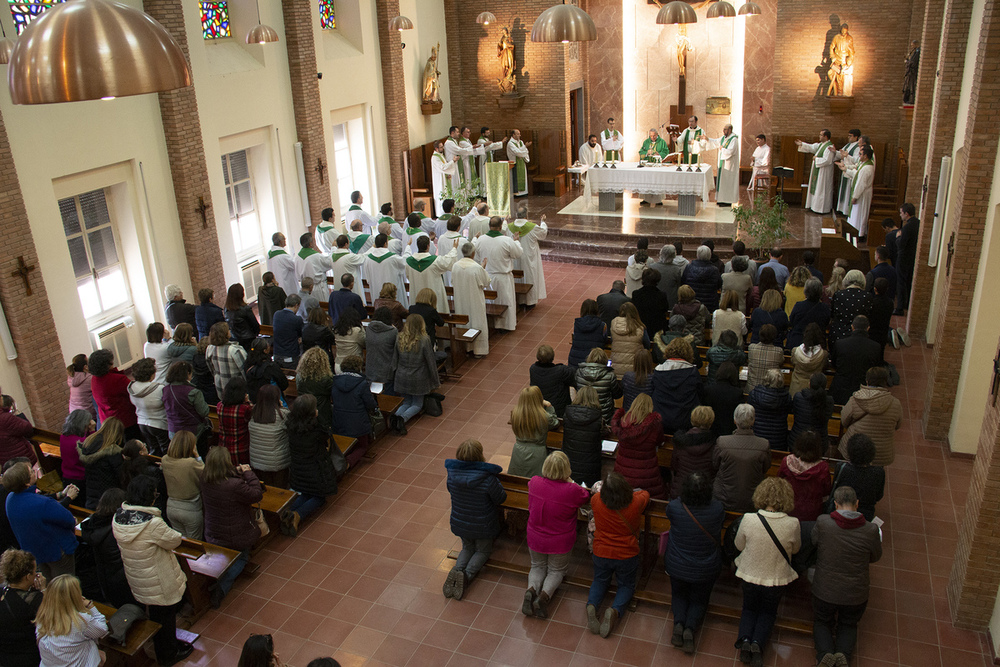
378	422
729	550
432	406
338	460
774	538
122	620
258	517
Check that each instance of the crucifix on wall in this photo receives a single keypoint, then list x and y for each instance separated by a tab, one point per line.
23	271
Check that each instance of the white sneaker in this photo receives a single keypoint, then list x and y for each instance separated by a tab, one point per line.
903	336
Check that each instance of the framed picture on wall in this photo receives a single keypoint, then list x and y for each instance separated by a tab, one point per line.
718	106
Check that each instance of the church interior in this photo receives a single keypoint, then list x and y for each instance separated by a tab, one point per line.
224	123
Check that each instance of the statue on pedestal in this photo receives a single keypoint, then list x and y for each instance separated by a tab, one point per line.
912	63
432	87
505	53
841	71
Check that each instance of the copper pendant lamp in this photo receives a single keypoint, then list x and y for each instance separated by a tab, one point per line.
721	10
676	12
93	49
564	23
750	9
6	48
486	18
260	33
400	23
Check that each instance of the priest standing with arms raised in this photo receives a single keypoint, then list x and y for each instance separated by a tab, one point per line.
819	196
426	270
469	279
727	186
468	164
528	234
355	212
847	157
612	141
383	266
486	143
517	152
500	251
453	148
444	171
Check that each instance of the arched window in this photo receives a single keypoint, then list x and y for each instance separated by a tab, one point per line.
25	11
215	19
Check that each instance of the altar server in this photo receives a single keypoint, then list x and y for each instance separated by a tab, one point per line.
282	265
426	270
453	148
355	212
359	240
326	232
500	251
470	279
760	161
517	152
486	143
690	142
413	232
528	234
450	240
612	141
383	266
727	181
847	156
444	171
480	223
820	193
345	261
862	180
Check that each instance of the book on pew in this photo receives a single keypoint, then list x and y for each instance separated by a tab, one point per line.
470	333
744	374
608	446
377	387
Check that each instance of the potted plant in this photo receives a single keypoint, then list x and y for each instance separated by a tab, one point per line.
464	196
764	223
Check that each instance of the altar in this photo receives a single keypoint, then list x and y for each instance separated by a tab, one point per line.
655	180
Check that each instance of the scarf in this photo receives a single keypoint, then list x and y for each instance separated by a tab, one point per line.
354	207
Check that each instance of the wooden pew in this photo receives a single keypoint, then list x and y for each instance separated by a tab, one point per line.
138	635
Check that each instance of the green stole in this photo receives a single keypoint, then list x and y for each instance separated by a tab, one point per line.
461	171
854	184
523	228
420	264
274	253
334	256
421	216
386	218
306	252
611	155
494	233
814	176
489	154
413	231
718	178
379	260
354	207
689	136
845	183
520	171
360	241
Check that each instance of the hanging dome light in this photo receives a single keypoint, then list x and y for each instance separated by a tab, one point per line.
486	18
750	9
675	13
6	48
400	23
93	49
721	10
262	34
564	23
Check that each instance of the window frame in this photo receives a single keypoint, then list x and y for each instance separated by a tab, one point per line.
242	255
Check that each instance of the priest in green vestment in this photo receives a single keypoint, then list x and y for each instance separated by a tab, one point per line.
654	148
517	152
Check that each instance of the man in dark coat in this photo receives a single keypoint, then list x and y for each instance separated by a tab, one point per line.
704	278
882	270
891	240
651	303
608	304
345	298
906	256
855	355
553	379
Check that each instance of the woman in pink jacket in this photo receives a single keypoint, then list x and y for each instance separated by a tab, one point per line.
78	379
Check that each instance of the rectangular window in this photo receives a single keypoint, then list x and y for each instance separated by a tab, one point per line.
24	12
342	158
95	253
215	19
243	217
327	15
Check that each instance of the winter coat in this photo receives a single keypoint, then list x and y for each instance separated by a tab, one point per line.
14	434
206	315
876	413
811	484
17	628
602	378
321	389
147	397
380	344
719	354
653	306
529	454
270	299
847	304
354	400
312	470
43	527
185	408
353	344
853	356
675	393
803	314
696	314
243	325
692	453
741	462
631	389
80	396
582	436
868	483
588	332
625	346
633	277
269	444
476	496
70	468
552	514
177	352
96	531
264	373
179	311
111	395
807	417
728	320
844	548
609	304
635	457
723	398
102	468
772	407
318	335
777	317
229	511
204	379
416	370
704	278
692	555
554	380
146	543
804	366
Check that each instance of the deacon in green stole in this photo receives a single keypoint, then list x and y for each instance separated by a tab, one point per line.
326	231
820	194
612	142
692	141
517	152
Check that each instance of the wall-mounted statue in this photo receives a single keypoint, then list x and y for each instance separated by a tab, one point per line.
841	71
505	53
432	86
912	63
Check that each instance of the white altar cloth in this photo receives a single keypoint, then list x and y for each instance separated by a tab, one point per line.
657	180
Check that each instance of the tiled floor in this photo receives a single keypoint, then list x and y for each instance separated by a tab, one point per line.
362	582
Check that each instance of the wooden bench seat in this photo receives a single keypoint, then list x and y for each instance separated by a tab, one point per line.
139	633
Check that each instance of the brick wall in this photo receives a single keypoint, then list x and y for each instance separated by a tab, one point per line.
300	42
394	93
39	357
188	167
924	102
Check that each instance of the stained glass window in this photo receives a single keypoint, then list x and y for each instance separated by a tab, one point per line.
327	17
25	11
215	20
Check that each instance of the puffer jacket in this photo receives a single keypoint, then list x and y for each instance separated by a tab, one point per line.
582	427
476	496
354	400
269	444
876	413
624	346
102	468
96	531
380	343
145	541
312	470
692	555
804	365
772	407
810	483
633	277
693	450
588	332
704	278
696	314
602	378
635	457
632	389
675	393
229	511
807	417
147	397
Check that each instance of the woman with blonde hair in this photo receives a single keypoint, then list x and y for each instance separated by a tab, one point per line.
416	371
553	501
729	317
101	456
531	420
769	312
349	337
387	298
764	563
628	338
836	283
795	288
583	431
182	469
596	372
68	626
314	376
640	433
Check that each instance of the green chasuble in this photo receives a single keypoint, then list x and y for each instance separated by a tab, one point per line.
420	264
520	170
386	218
845	182
271	254
611	155
649	147
354	207
522	229
413	231
334	256
359	242
814	176
687	137
461	158
306	252
854	184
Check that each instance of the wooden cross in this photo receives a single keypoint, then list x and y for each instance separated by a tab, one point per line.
320	167
22	272
203	209
951	253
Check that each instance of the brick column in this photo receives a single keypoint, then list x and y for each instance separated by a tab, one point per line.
394	93
975	180
40	361
924	102
300	41
188	165
947	91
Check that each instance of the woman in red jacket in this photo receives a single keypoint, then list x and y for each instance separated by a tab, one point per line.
14	433
110	388
640	434
809	476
